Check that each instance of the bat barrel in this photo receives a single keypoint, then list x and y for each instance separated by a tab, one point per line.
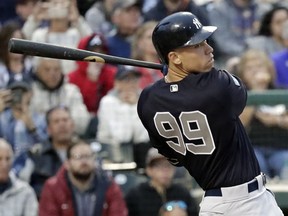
31	48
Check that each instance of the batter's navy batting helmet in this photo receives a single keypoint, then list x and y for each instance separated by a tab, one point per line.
179	30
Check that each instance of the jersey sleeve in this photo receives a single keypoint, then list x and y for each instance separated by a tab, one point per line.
236	92
174	158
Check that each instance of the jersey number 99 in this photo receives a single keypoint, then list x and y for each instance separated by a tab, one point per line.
168	127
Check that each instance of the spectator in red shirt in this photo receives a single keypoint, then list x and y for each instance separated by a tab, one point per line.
93	79
81	188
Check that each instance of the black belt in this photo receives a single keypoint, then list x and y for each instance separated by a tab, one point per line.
252	186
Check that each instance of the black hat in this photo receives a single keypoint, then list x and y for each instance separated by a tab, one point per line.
124	70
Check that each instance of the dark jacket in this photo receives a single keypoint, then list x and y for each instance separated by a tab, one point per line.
46	164
57	198
144	200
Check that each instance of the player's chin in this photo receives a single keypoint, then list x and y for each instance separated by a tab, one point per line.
209	65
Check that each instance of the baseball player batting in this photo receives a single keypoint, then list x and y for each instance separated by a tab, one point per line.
192	116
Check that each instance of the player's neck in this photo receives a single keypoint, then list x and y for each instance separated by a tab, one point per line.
175	75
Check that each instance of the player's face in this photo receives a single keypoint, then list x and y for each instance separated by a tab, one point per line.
196	58
161	172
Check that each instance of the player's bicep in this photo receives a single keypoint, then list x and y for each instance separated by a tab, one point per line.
236	92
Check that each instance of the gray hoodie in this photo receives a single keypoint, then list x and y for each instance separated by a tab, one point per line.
18	200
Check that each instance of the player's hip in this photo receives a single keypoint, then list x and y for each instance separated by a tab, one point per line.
251	198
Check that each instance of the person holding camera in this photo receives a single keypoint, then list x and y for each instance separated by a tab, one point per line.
62	25
18	125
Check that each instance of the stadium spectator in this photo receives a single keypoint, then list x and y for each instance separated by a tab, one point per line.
158	190
143	49
269	38
126	17
266	125
13	67
50	84
236	21
119	125
24	8
81	188
93	79
98	16
17	198
45	158
65	26
280	60
20	126
164	8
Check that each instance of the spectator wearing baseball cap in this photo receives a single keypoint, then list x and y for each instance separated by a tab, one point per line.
118	122
126	16
19	125
159	189
93	79
126	72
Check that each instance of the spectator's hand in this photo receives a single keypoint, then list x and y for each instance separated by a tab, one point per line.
5	99
26	117
40	11
23	112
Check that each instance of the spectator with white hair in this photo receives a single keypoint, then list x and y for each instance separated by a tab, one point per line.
17	198
50	89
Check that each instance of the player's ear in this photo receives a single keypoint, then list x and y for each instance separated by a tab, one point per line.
174	57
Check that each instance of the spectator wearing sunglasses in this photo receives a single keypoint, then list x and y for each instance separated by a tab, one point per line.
174	208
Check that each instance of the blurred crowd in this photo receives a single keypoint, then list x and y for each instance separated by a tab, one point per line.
62	121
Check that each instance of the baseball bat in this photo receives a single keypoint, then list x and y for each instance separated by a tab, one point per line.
31	48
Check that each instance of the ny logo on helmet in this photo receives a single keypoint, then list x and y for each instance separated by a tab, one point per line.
197	23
